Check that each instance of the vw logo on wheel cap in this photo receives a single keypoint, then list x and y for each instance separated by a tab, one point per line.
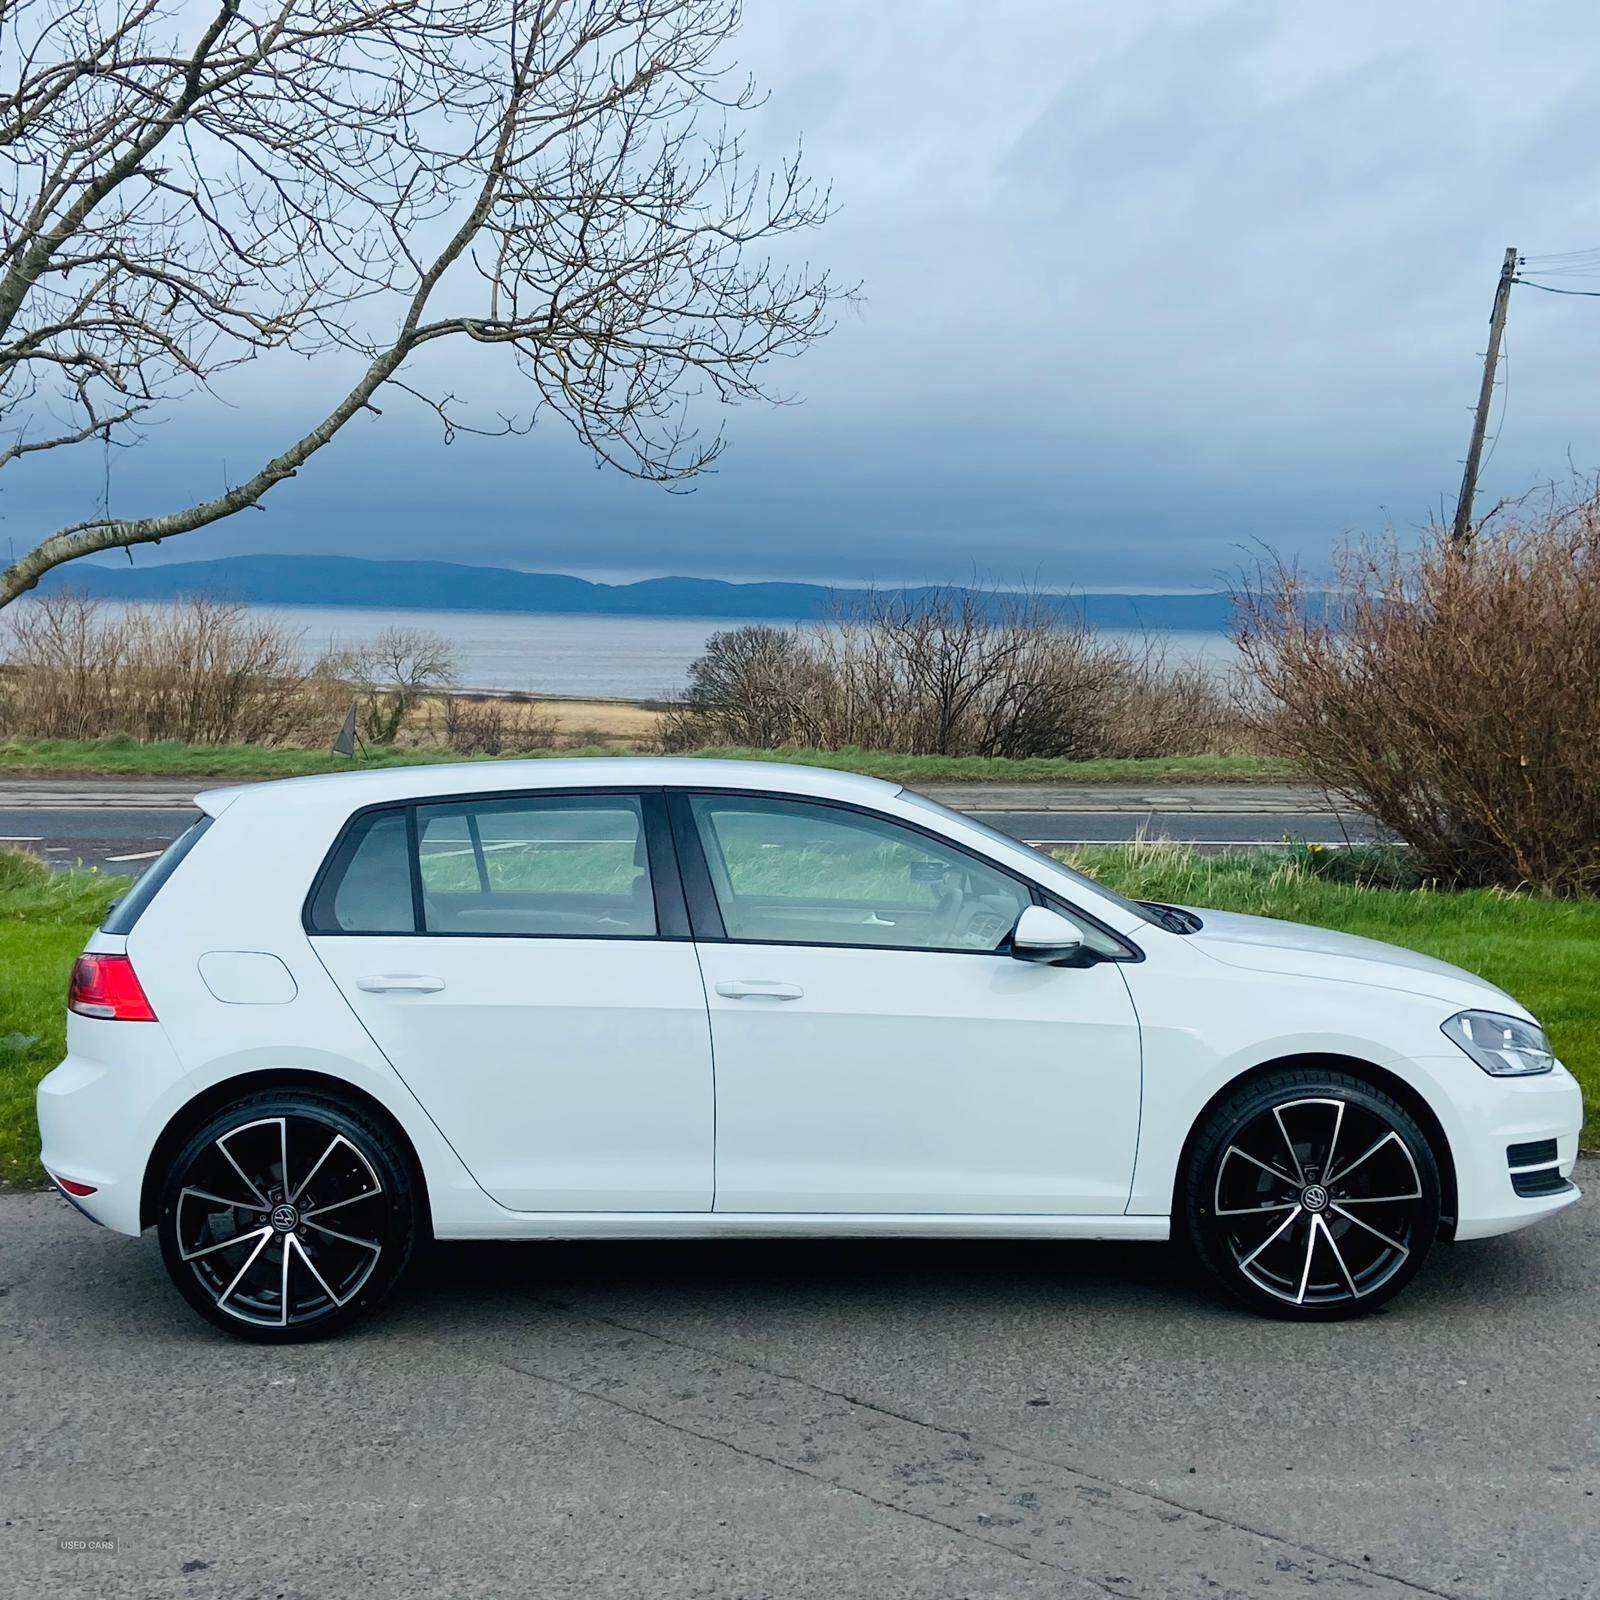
1314	1197
285	1218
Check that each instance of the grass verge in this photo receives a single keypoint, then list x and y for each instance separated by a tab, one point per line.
1540	950
124	757
44	920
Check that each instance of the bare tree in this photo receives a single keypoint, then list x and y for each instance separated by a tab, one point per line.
399	669
185	190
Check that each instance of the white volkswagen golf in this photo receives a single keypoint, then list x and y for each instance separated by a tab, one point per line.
666	998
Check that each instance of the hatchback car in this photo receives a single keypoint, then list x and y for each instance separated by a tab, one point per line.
664	998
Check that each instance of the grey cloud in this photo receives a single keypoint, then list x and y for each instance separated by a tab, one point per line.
1142	281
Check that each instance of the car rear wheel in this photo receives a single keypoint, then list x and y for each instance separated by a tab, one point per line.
1311	1195
287	1216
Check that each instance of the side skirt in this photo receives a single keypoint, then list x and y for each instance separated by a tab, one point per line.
795	1225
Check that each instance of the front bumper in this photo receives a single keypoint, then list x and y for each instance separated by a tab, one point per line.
1492	1114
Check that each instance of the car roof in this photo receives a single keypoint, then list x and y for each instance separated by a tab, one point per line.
349	791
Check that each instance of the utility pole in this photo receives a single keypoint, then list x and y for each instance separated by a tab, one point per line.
1462	531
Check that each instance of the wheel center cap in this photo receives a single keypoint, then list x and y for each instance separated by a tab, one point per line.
1314	1197
285	1218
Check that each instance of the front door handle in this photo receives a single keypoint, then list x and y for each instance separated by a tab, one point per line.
758	989
400	983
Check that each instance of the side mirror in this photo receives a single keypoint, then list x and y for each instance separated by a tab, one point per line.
1046	936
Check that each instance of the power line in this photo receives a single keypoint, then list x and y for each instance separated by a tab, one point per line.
1550	288
1562	255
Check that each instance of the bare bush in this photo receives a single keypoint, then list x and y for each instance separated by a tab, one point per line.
490	727
957	672
204	671
1452	692
746	689
1154	707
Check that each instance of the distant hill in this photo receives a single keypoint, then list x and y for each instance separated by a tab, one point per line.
449	586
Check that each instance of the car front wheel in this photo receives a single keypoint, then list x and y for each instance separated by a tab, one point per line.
1311	1195
287	1216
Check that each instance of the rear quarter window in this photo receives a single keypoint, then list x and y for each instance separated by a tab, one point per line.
127	911
366	886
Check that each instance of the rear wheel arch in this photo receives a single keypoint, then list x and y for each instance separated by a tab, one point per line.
1379	1078
209	1101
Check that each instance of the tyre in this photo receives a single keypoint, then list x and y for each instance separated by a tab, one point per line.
287	1216
1310	1195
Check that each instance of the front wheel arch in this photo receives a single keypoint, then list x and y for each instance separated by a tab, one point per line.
1379	1078
209	1101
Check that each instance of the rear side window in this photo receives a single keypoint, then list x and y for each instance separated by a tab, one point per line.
367	887
127	911
573	866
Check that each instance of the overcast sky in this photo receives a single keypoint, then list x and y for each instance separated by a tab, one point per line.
1142	283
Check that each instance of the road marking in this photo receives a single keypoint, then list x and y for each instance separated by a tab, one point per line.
20	838
141	855
1243	844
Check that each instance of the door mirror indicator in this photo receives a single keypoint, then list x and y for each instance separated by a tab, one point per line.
1046	936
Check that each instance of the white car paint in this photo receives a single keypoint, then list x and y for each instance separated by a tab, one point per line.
578	1080
608	1088
913	1082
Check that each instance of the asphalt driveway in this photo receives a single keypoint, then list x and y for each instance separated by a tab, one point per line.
870	1420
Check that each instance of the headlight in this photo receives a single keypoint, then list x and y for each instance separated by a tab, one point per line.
1505	1047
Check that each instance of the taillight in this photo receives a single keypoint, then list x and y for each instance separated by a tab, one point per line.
73	1187
107	987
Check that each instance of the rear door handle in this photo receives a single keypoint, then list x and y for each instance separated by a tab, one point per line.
758	989
400	983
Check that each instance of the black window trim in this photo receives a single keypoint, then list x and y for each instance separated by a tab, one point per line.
128	907
686	902
672	917
705	915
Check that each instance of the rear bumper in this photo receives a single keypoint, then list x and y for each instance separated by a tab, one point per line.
98	1117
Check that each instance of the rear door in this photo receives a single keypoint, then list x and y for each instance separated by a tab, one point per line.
523	962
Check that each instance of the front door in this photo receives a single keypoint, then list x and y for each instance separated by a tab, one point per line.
876	1049
508	957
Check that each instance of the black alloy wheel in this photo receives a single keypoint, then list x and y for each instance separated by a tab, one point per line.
287	1216
1312	1195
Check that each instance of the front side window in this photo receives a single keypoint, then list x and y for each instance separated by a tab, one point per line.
561	864
787	871
1052	867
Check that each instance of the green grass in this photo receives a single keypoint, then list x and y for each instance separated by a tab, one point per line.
44	920
125	757
1542	951
916	770
169	758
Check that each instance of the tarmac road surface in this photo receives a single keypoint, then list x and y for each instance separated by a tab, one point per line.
872	1420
